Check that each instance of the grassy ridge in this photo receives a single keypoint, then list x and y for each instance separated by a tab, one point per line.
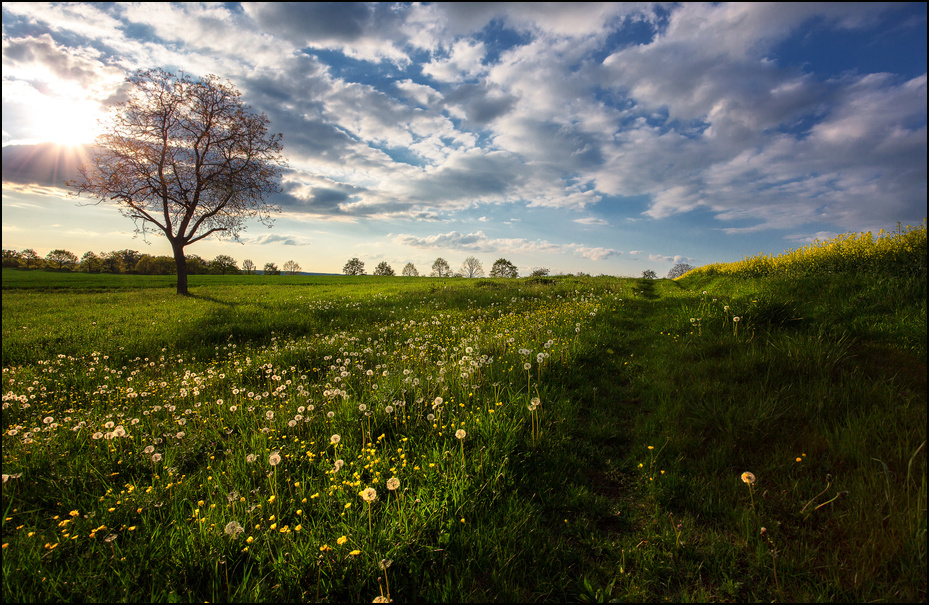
623	480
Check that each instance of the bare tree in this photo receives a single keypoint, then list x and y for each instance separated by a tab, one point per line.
185	158
291	268
472	267
249	267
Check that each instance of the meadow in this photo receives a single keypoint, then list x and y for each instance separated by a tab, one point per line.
724	436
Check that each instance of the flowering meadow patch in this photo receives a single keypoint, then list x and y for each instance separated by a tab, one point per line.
256	449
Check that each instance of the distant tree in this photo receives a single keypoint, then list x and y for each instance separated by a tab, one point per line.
384	269
410	271
503	268
224	264
472	267
354	267
127	259
10	258
30	259
440	268
186	158
291	268
248	267
109	262
649	274
90	263
540	272
61	259
679	270
271	269
196	265
155	265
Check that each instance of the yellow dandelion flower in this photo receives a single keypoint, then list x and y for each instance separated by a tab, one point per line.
342	540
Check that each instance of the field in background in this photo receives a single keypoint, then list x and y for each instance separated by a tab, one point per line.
717	437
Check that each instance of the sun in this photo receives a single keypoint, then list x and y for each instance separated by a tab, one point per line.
68	123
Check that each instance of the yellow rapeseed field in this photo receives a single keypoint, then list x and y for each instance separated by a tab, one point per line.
901	252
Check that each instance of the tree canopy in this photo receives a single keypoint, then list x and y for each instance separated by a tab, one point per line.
409	270
440	268
185	158
503	268
354	267
678	270
384	269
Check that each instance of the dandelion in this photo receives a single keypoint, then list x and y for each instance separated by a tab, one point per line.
251	458
749	479
335	439
342	540
338	465
369	495
233	529
156	457
148	450
393	483
460	434
274	459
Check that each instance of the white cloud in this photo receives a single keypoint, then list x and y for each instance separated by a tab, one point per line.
479	242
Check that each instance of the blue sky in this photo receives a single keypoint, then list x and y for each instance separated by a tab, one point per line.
596	137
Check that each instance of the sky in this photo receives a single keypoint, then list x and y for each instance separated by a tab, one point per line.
604	138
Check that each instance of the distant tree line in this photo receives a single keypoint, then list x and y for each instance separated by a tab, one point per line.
471	267
131	261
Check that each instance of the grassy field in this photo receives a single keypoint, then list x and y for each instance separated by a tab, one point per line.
718	437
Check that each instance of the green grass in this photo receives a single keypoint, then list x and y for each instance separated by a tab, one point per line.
624	483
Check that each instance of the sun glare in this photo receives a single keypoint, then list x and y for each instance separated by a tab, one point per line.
68	123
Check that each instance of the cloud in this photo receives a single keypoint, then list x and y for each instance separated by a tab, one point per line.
284	240
479	242
676	259
590	221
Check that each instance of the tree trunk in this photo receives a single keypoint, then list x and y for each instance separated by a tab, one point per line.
181	262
